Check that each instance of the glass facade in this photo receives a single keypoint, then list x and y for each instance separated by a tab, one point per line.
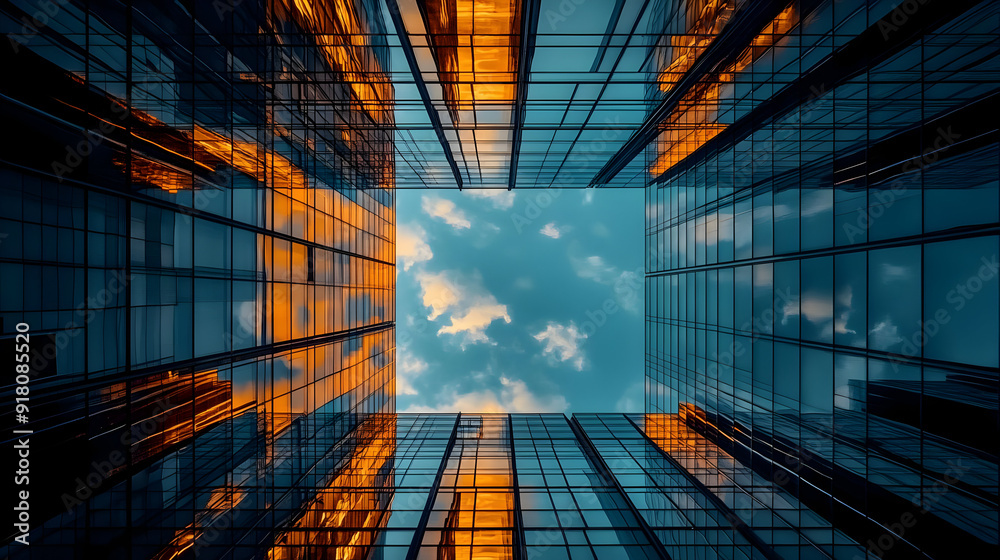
198	222
197	226
822	292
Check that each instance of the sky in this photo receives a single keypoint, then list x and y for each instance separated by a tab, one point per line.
519	301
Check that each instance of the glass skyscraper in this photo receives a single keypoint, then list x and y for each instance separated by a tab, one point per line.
198	225
822	292
197	230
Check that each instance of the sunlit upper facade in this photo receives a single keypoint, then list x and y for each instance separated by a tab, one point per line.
198	222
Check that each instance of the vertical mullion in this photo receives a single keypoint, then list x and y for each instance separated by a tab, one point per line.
520	551
602	468
421	527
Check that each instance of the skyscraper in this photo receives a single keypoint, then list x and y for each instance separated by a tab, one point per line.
197	231
823	299
198	225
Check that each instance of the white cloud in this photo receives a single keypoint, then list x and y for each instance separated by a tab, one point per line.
594	268
884	335
628	290
654	211
446	211
411	245
470	308
515	396
524	283
600	230
789	309
550	230
475	320
250	316
437	292
408	368
588	196
476	401
562	343
845	298
815	202
816	308
500	198
891	272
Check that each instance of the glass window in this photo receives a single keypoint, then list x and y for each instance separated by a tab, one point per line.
894	299
962	191
211	244
786	298
850	306
786	370
817	218
816	389
961	297
816	305
786	221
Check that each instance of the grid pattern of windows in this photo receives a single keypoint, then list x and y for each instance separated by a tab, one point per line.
198	224
688	523
572	507
822	297
396	486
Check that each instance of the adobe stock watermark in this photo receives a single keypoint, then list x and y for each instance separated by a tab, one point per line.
217	517
898	529
817	99
543	540
213	530
225	7
793	464
78	153
117	282
32	25
625	288
898	17
201	198
959	297
562	12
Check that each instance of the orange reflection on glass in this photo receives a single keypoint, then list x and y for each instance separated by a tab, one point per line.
480	519
706	20
295	309
359	376
170	408
695	121
476	48
296	205
343	520
220	503
343	37
680	436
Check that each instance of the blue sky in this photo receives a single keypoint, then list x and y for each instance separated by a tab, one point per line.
519	301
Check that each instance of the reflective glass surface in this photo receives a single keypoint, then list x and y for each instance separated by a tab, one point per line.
197	222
